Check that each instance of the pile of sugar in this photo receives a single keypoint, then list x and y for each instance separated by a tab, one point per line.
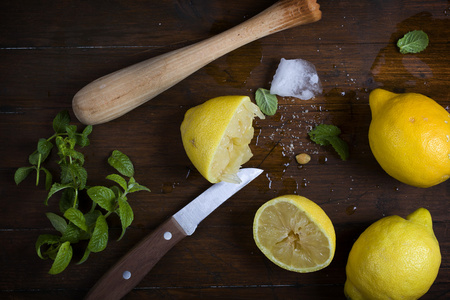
296	78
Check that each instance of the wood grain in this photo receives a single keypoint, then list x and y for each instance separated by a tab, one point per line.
51	49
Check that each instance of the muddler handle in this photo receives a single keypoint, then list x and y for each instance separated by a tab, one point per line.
115	94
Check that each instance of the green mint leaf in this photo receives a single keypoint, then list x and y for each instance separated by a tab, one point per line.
76	217
85	256
136	187
126	215
61	121
48	178
117	191
133	186
320	134
56	187
76	155
45	239
103	196
119	180
22	173
83	140
325	135
99	238
74	234
67	200
91	218
340	146
413	42
78	175
62	259
267	102
121	163
44	148
58	222
34	158
72	131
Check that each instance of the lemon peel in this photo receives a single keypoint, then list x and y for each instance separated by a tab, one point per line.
409	136
216	136
394	258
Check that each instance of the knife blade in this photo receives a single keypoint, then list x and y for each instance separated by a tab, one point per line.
132	267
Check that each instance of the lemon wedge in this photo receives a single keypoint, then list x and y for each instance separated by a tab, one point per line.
216	136
295	234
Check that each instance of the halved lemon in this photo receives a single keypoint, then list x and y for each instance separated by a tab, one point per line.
295	234
216	136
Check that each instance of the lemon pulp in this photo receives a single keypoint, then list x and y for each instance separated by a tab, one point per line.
216	136
295	233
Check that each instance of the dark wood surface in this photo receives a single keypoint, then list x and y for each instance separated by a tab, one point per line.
51	49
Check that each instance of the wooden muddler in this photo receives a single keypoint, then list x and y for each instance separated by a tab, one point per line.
113	95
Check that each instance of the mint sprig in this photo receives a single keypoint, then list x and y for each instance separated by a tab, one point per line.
267	102
325	135
413	42
75	225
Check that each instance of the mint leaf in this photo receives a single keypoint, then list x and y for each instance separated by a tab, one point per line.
126	215
62	259
121	163
133	186
91	218
83	140
413	42
267	102
322	132
85	256
48	178
67	200
103	196
325	135
22	173
56	187
74	234
76	217
119	180
45	239
44	148
34	158
71	131
58	222
136	187
61	121
99	238
340	146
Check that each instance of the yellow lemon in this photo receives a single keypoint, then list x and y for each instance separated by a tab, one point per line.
216	136
394	258
410	137
295	234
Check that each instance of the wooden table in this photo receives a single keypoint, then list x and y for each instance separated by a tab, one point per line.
51	49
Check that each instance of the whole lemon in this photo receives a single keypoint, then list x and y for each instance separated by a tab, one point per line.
409	136
394	258
216	136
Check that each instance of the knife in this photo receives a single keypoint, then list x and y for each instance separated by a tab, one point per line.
132	268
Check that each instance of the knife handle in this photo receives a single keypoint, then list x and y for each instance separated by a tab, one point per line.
132	268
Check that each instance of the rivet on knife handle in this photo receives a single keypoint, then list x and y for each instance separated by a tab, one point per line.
113	95
130	270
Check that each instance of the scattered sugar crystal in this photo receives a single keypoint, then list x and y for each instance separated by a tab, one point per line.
296	78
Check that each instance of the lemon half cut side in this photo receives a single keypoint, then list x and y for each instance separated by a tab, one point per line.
295	234
216	136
